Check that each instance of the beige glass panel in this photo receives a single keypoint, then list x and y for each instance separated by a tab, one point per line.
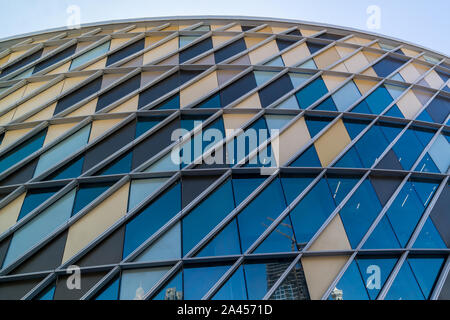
128	106
216	26
15	55
320	273
263	52
409	105
108	79
371	56
7	117
267	29
115	43
243	60
295	55
251	102
370	72
71	82
152	40
32	87
434	80
38	100
340	67
410	52
95	222
99	127
100	64
137	30
12	98
225	75
327	58
356	62
364	85
235	28
45	114
61	69
161	51
87	109
332	81
12	136
198	89
332	142
149	76
234	121
358	40
172	61
409	73
290	141
218	40
4	60
308	32
136	62
332	238
172	27
344	51
252	41
56	130
277	30
10	213
184	26
375	45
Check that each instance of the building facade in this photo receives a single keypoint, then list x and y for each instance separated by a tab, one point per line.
223	158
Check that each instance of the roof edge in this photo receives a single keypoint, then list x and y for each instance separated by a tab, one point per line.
220	17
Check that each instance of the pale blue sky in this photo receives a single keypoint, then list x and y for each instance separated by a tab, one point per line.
425	23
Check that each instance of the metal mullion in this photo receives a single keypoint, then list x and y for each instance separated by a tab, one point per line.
392	276
177	217
101	284
339	276
158	285
441	280
283	276
234	213
26	54
223	279
39	287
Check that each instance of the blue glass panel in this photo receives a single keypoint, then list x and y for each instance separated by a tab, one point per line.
22	151
173	289
277	122
234	288
277	62
87	193
429	237
203	218
280	240
263	76
309	158
244	186
146	123
426	271
354	127
119	166
405	286
405	212
225	243
360	212
388	65
408	148
327	105
34	198
425	190
72	171
111	292
212	103
350	159
427	165
379	100
383	237
311	93
289	104
440	153
293	185
90	55
136	283
151	218
395	112
312	211
195	289
171	103
341	186
166	248
346	96
142	188
261	277
362	107
375	272
316	124
351	284
256	217
47	294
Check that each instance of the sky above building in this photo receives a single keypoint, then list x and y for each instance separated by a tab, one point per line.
425	23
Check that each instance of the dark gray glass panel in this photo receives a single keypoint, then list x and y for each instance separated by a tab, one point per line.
88	280
55	58
125	52
230	50
195	50
15	290
118	92
78	95
192	186
238	88
21	63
